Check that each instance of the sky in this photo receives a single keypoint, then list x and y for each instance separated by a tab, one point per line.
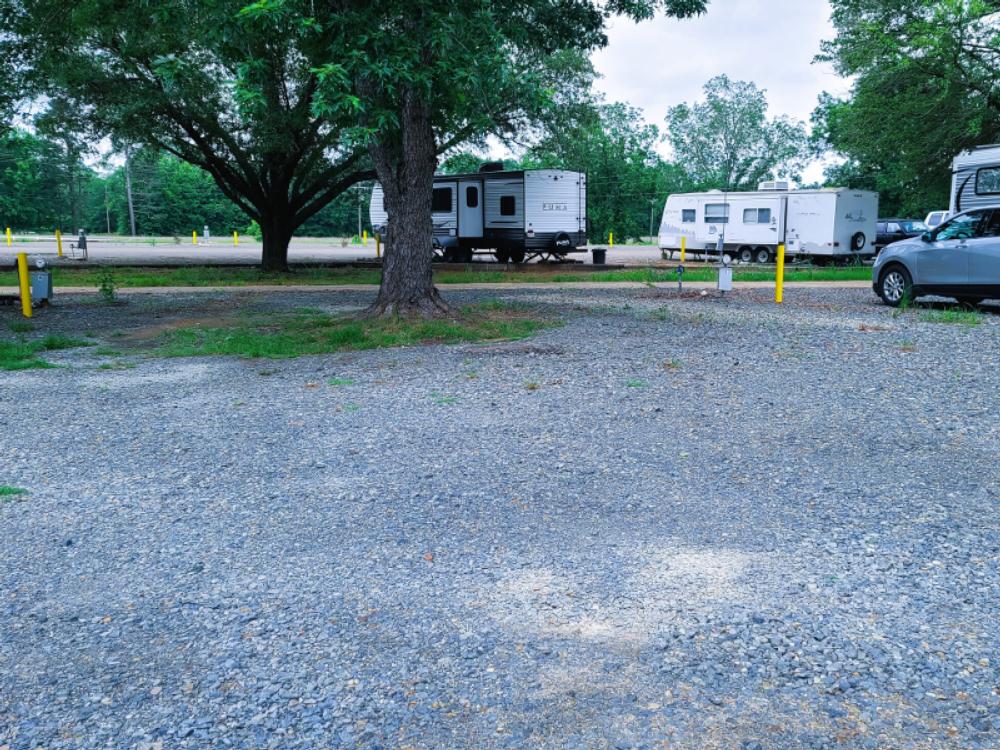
656	64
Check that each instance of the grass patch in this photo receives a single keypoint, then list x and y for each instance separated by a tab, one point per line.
637	384
22	353
117	366
952	316
440	398
21	326
295	334
339	381
134	276
8	491
532	385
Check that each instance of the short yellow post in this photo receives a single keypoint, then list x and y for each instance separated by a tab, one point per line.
236	239
59	243
611	239
24	284
364	237
9	242
378	245
194	237
684	246
779	279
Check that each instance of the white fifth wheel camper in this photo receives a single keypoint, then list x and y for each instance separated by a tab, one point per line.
827	223
513	214
975	179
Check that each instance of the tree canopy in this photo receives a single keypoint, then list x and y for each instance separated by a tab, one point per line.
727	142
228	87
926	86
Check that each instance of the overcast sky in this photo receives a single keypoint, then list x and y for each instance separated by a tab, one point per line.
659	63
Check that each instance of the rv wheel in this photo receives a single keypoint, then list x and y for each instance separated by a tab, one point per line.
762	255
746	255
858	241
727	258
503	256
517	256
562	242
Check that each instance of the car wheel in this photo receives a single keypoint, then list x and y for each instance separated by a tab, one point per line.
895	285
746	255
763	255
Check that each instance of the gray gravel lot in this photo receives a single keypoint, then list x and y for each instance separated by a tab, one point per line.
714	523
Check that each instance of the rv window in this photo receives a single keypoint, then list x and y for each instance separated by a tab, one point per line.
756	216
472	197
716	213
988	181
508	205
441	200
688	215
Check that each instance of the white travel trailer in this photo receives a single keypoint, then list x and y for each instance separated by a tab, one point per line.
975	179
825	224
513	214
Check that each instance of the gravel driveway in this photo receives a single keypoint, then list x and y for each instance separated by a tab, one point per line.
669	523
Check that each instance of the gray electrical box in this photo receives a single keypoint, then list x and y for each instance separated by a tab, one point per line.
41	287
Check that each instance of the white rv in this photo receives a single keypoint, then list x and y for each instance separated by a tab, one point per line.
975	179
514	215
827	223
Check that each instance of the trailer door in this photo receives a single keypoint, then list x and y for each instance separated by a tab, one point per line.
470	208
760	221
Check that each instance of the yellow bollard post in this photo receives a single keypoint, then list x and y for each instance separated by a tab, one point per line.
59	243
611	239
9	243
378	245
779	279
194	238
236	239
24	284
364	237
684	245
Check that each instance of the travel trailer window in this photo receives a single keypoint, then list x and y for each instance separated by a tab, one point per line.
441	200
688	215
756	216
472	196
988	181
508	205
716	213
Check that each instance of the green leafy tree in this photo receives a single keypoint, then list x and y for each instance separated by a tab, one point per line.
430	75
227	87
926	86
727	142
627	181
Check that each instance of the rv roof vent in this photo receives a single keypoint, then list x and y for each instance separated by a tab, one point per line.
774	185
491	166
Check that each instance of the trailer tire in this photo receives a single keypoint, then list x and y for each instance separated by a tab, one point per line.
727	258
762	255
858	242
561	243
746	255
502	255
517	256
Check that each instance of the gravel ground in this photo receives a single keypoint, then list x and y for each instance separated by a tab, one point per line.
670	523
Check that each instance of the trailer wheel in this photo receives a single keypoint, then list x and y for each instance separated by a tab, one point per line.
746	255
727	258
517	256
762	255
858	242
502	255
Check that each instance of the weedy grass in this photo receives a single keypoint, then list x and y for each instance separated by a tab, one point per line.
23	353
6	491
637	383
340	382
955	316
21	326
297	334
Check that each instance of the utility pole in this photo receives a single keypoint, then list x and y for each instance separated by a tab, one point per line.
128	189
652	205
107	207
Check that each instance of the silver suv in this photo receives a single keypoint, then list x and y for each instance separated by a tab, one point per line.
960	258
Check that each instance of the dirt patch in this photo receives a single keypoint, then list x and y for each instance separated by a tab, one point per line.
149	333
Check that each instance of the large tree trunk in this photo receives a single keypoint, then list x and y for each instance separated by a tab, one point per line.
276	227
407	177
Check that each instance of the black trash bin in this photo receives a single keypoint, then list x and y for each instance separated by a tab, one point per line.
600	256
